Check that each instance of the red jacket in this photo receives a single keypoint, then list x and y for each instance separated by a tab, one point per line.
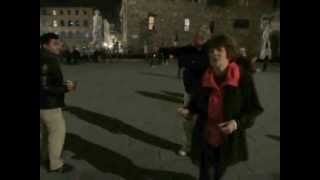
215	107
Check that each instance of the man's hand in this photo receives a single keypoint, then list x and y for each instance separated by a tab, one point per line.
228	127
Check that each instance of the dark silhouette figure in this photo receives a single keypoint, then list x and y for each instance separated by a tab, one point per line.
169	98
158	75
276	138
174	93
118	127
109	161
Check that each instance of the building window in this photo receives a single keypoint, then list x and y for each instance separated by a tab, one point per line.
61	12
55	23
77	12
151	23
186	24
70	23
241	24
76	23
69	12
62	23
85	12
54	12
85	23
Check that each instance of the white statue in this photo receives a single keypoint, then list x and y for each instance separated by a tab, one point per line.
106	31
97	28
266	51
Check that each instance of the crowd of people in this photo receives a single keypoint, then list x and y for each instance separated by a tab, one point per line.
86	55
220	101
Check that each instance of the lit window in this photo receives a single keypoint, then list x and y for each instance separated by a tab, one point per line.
186	24
70	23
55	23
151	24
54	12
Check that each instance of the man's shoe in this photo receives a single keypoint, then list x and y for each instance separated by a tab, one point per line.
64	169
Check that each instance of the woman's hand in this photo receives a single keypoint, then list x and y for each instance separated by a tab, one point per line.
228	127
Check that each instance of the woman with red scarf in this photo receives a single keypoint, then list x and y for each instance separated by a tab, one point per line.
226	104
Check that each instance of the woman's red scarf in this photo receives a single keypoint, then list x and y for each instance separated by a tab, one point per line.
215	107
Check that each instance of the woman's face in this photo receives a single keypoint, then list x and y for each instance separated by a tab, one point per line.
217	55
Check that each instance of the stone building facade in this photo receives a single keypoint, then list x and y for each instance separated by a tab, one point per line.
73	24
159	22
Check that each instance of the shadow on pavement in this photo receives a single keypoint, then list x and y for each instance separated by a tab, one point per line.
169	98
274	137
118	127
159	75
173	93
109	161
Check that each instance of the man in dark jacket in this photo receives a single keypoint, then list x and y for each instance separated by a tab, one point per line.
193	59
52	90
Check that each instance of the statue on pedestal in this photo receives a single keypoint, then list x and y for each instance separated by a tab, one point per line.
97	37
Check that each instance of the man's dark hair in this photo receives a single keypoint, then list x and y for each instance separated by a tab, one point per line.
224	41
46	38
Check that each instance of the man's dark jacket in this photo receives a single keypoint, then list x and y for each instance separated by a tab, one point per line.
194	61
52	88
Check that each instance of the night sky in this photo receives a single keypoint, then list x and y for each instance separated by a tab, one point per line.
110	9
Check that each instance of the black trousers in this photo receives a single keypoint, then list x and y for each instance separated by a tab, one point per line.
210	163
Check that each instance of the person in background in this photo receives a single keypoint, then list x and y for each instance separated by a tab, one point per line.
244	61
193	60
